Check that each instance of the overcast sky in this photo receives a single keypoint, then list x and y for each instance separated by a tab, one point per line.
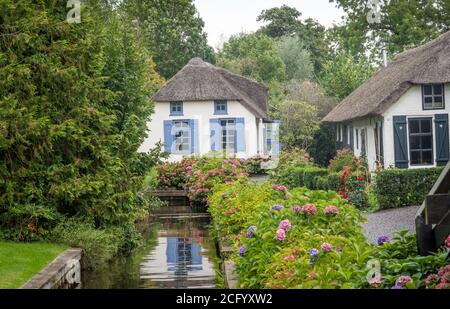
227	17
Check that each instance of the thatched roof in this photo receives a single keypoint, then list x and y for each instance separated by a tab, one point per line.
429	63
201	81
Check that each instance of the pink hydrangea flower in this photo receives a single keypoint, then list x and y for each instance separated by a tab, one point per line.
309	210
327	247
285	225
376	281
281	234
331	210
447	242
403	280
289	257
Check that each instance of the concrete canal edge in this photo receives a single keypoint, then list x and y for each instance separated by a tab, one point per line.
228	267
63	272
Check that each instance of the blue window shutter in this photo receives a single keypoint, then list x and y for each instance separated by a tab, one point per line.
442	139
168	136
240	134
215	134
400	142
193	123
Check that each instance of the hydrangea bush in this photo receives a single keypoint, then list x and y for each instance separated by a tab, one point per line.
205	173
310	239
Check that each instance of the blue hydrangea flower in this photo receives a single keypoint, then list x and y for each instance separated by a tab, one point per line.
313	252
242	251
253	228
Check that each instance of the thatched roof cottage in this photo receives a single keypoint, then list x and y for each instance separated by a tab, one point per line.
205	109
399	117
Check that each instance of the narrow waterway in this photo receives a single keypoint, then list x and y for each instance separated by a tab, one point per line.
178	253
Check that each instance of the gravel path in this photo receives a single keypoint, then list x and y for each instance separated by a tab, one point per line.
386	222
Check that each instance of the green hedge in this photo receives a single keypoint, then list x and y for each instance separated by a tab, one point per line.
294	177
399	187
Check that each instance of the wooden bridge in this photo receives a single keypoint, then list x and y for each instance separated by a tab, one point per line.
433	217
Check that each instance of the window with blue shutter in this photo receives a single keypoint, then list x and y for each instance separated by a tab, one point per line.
216	130
168	136
220	107
240	134
442	139
194	136
176	108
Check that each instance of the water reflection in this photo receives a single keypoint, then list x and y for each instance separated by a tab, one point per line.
179	255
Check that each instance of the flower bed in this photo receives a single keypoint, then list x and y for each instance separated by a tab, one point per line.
311	239
173	175
297	239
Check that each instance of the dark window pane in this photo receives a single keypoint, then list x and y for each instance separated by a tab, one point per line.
427	90
427	142
437	89
427	157
428	100
414	142
414	126
426	126
415	157
438	99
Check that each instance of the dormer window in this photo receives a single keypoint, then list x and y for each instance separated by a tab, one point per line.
433	96
176	108
220	107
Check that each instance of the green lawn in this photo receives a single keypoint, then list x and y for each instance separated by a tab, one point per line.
21	261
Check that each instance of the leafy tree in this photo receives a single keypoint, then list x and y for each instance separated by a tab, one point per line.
343	75
323	146
285	21
69	124
253	55
298	124
404	24
282	21
296	58
173	30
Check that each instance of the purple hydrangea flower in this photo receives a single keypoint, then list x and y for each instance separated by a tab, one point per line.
249	234
253	228
382	239
242	251
277	207
296	208
397	287
402	280
327	247
312	260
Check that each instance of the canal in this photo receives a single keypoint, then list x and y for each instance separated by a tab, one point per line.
178	252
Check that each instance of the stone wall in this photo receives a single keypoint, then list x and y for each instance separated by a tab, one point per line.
63	273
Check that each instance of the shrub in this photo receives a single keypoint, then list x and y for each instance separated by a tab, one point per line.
345	160
173	175
99	245
294	156
253	166
299	176
404	187
278	253
399	257
205	173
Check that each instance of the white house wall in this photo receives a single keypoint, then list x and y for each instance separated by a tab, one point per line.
409	105
369	125
203	112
